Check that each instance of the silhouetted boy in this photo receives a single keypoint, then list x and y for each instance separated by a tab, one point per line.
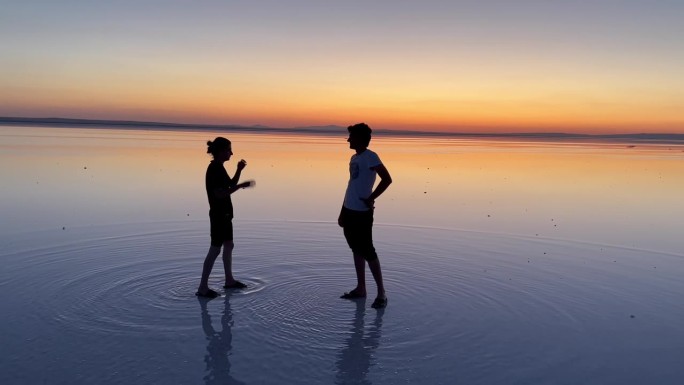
219	188
356	217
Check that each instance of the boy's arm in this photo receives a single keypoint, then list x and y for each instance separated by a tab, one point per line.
385	181
236	178
224	192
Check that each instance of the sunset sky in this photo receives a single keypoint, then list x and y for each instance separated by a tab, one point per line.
464	66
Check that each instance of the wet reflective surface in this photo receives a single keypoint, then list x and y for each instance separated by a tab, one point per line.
504	263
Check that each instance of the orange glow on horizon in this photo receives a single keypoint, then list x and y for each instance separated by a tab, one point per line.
575	67
467	110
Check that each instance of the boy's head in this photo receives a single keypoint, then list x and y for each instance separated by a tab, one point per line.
360	134
219	147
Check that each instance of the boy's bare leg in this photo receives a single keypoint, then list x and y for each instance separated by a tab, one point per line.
360	265
228	262
212	254
377	275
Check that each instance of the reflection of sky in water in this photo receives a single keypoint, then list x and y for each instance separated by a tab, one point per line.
114	305
549	302
605	193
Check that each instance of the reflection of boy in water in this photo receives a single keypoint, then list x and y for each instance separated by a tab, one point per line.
355	360
219	188
219	346
356	217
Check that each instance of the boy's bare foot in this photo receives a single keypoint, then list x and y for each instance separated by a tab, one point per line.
208	293
379	303
234	285
354	294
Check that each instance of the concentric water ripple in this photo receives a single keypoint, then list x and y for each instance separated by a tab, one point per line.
464	301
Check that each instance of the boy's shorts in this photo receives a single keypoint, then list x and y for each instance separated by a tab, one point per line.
358	231
221	229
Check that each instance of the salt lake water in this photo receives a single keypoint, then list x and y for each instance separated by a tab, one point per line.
506	262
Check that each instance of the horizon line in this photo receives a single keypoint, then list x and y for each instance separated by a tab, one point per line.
327	129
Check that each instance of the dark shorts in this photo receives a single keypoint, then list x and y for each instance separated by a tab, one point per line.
358	230
221	229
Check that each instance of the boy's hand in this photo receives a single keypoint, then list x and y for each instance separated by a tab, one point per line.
249	183
241	164
369	202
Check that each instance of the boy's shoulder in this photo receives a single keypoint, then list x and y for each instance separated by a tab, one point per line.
214	166
369	153
372	153
371	158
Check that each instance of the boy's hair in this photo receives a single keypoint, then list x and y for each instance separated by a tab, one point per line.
362	131
219	144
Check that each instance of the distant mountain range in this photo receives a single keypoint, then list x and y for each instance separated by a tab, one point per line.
331	130
131	124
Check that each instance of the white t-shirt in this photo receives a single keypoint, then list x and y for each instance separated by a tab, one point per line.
361	179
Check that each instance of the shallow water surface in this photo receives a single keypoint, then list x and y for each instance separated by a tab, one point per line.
115	304
504	263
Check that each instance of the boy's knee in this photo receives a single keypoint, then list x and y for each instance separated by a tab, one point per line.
367	253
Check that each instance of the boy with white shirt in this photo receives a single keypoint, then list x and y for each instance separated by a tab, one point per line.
356	217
